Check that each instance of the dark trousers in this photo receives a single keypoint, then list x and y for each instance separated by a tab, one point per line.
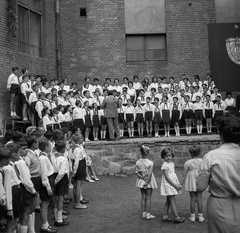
113	127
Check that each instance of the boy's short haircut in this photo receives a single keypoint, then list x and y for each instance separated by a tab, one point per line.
22	143
60	145
25	76
24	70
58	135
14	68
64	130
48	134
76	137
60	92
41	94
14	147
31	140
195	150
96	79
5	153
17	135
43	144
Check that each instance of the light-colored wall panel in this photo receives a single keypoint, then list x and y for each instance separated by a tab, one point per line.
145	16
227	11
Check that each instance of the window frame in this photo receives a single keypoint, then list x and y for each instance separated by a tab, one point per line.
145	36
39	13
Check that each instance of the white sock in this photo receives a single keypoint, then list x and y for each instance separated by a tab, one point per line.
55	213
59	216
31	223
23	229
45	226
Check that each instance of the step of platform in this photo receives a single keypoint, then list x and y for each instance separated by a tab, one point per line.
123	162
100	153
128	169
112	158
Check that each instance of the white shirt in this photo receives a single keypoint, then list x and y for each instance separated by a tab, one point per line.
32	98
61	166
129	110
137	85
220	106
98	100
12	79
77	155
139	109
131	91
45	90
90	100
62	101
77	113
198	106
47	120
39	107
230	102
47	169
68	117
25	176
195	94
117	88
25	87
10	179
61	117
187	106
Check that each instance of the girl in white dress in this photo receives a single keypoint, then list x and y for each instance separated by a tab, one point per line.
170	186
189	178
146	181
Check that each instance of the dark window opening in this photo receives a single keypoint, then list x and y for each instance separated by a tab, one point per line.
146	47
83	12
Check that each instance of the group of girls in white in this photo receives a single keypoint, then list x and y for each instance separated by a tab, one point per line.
41	167
149	105
170	184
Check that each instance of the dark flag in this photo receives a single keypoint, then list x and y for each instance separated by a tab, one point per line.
224	51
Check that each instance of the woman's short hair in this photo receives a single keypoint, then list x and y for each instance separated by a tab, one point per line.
229	128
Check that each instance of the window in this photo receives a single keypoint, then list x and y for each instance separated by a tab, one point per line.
146	47
83	12
30	27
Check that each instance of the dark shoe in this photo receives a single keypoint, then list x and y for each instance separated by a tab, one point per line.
66	201
83	201
65	212
67	198
37	210
179	220
49	229
61	224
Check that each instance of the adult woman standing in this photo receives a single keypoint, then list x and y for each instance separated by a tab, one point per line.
220	170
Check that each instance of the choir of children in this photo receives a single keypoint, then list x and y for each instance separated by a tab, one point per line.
41	165
152	105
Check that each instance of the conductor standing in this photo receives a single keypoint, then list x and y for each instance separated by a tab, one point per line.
111	108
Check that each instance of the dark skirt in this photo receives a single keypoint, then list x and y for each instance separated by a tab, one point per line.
62	188
139	118
17	202
166	116
208	113
188	114
81	171
175	116
24	101
103	120
27	197
78	123
49	127
66	124
43	193
56	126
148	116
198	114
32	106
14	89
218	114
121	118
37	182
2	212
88	122
129	117
157	117
96	122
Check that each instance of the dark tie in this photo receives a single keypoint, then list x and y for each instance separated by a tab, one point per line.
208	105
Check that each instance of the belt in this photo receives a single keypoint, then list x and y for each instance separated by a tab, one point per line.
15	187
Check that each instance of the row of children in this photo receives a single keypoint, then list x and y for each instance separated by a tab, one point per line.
170	185
44	166
174	99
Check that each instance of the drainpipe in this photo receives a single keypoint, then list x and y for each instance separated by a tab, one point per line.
58	39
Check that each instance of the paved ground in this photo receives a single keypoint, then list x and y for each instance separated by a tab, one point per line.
115	208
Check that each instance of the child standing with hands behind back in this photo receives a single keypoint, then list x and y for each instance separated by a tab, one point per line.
189	178
170	186
146	181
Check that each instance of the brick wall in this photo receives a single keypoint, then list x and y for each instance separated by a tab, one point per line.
9	55
95	45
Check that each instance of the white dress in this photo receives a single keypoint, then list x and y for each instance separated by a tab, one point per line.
166	188
192	167
143	166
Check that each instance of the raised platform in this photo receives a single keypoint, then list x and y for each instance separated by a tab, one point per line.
119	157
